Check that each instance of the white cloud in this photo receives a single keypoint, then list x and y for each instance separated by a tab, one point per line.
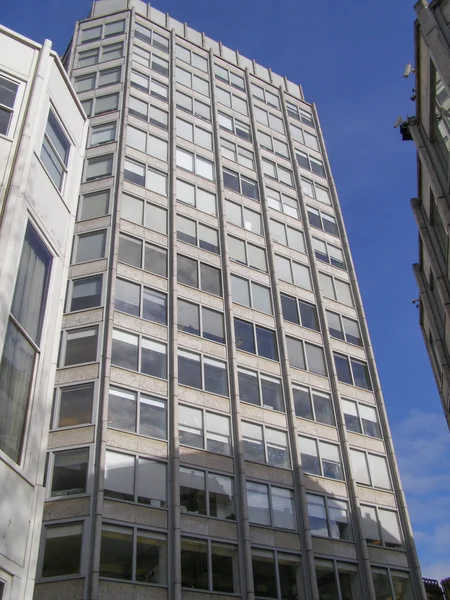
422	443
436	570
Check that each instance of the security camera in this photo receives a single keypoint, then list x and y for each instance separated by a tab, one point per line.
398	122
408	70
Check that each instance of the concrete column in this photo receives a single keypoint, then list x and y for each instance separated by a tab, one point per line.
245	548
309	573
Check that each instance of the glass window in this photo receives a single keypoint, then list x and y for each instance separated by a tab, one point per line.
194	564
125	350
81	346
84	83
313	404
94	205
98	167
109	77
102	134
62	550
55	150
86	293
69	475
154	359
91	34
104	104
74	405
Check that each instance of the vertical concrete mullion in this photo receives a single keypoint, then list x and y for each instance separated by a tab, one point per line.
419	590
174	517
101	430
361	547
245	548
309	578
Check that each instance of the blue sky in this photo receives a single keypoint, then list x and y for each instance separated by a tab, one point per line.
349	57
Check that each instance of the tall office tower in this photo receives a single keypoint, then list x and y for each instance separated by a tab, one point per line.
42	140
430	130
218	426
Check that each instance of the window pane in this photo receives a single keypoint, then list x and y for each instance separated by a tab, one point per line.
187	272
70	472
302	402
359	466
119	476
221	496
151	557
216	380
379	471
248	386
128	297
343	292
264	578
124	350
361	374
191	426
369	421
315	358
240	290
289	308
192	491
188	317
122	409
258	503
94	205
189	369
153	417
256	257
381	584
210	278
156	182
75	405
283	508
302	276
326	580
323	408
390	528
91	246
98	167
343	368
296	353
309	456
331	462
218	433
107	103
317	515
62	550
213	328
86	293
206	201
252	442
130	251
155	260
267	343
151	483
194	564
153	359
308	315
208	238
81	346
245	340
116	552
261	298
156	218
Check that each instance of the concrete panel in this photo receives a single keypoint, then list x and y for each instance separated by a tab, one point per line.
86	317
16	501
200	398
75	374
113	590
16	57
69	589
317	429
267	473
66	509
255	413
71	437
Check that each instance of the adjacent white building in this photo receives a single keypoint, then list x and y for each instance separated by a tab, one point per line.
42	140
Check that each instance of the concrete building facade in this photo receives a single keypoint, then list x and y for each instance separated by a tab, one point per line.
218	427
42	139
430	131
